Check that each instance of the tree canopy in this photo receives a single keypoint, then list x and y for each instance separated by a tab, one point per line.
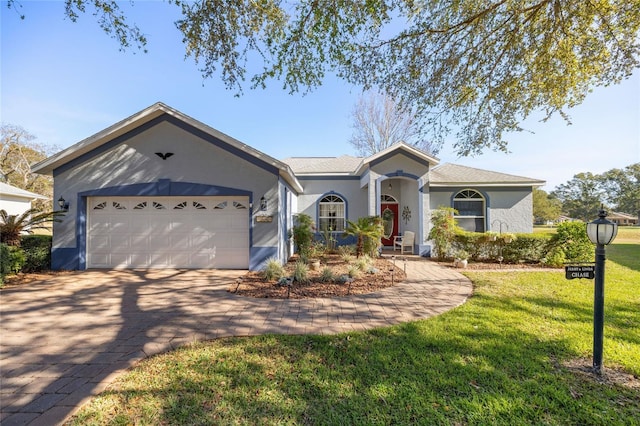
18	151
477	69
618	189
545	207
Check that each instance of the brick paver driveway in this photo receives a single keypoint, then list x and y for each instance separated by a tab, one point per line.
65	338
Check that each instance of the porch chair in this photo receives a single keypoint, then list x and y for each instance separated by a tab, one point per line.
403	241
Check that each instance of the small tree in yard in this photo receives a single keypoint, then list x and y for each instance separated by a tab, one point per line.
368	231
303	234
443	231
13	226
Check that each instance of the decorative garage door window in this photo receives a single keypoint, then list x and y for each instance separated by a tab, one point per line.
331	213
168	232
470	205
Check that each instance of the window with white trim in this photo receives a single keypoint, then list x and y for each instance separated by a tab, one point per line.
331	213
470	205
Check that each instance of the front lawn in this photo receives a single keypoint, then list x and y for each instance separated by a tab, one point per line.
513	354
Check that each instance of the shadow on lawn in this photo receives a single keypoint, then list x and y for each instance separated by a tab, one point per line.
463	367
625	254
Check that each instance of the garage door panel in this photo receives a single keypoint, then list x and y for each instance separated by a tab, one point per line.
201	242
160	232
99	228
99	260
99	243
238	241
119	260
158	240
120	242
179	242
144	223
159	260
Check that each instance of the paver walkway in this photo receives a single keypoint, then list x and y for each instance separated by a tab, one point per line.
66	338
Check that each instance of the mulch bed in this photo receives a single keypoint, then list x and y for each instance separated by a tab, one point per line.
493	266
253	285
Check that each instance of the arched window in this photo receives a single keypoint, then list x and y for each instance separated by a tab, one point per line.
471	210
331	213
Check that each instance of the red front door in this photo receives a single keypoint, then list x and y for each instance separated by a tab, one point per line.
391	224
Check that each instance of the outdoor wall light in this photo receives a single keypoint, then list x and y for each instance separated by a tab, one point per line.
63	204
601	232
263	204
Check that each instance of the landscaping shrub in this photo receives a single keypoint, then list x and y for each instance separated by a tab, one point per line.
327	275
273	270
363	263
37	250
529	248
346	253
443	231
329	240
572	238
368	231
480	246
4	262
354	271
555	257
303	234
12	259
301	272
488	246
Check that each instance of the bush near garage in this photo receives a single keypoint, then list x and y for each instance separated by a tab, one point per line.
37	250
12	260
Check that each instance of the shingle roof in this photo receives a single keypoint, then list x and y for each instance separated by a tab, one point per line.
621	215
455	174
342	164
6	189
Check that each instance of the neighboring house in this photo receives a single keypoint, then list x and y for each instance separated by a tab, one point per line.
160	189
563	219
16	201
623	219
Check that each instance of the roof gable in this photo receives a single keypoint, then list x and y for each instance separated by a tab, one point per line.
355	166
147	117
399	148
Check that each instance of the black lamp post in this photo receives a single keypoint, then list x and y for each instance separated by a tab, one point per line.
601	232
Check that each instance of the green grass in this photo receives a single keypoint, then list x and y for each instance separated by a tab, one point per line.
498	359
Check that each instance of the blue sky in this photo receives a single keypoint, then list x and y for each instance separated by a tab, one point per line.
64	81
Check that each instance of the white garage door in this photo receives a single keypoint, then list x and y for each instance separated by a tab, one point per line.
168	232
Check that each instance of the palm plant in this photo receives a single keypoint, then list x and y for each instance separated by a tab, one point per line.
365	229
13	226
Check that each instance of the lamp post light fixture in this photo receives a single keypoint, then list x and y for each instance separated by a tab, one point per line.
63	204
601	232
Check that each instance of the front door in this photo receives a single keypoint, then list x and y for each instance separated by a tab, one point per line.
389	213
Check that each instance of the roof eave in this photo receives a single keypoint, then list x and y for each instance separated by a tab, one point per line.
47	165
486	184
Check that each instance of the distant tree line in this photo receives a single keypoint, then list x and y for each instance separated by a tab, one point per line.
581	197
18	151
